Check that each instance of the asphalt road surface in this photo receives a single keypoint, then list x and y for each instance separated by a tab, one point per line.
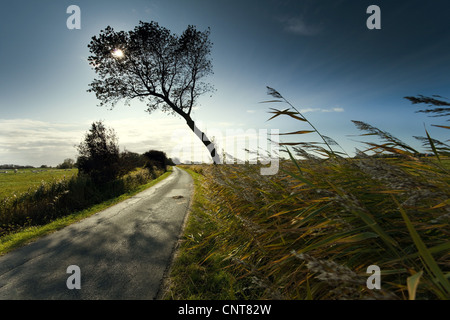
122	252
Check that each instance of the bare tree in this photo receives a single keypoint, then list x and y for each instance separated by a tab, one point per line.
155	66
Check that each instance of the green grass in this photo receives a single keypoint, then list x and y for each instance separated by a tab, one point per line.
198	271
26	179
28	234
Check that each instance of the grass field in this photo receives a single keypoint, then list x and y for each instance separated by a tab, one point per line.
24	233
37	197
26	179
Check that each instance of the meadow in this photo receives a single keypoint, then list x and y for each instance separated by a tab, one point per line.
312	230
30	178
35	197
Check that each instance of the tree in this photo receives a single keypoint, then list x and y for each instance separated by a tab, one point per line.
170	162
67	164
157	158
99	154
155	66
130	161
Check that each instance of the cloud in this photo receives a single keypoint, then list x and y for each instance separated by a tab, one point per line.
333	110
306	110
33	142
299	26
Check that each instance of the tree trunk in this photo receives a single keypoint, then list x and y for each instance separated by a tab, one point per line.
202	136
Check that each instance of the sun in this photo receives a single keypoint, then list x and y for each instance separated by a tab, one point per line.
117	53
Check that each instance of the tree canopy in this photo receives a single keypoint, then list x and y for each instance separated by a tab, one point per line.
99	154
153	65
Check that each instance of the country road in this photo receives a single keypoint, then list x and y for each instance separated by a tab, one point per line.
122	252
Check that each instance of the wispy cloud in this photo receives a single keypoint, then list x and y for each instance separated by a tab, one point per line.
306	110
333	110
32	142
299	26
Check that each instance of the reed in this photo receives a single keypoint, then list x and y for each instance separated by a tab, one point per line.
312	230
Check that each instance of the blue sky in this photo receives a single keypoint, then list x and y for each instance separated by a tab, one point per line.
318	54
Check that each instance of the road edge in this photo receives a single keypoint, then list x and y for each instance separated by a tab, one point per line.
165	281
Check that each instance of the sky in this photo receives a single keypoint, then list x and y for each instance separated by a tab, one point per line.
320	55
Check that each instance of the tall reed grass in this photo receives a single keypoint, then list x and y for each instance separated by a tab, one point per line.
312	230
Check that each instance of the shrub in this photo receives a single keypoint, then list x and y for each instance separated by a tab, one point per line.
157	159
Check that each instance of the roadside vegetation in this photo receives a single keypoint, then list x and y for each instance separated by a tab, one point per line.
24	234
37	201
312	230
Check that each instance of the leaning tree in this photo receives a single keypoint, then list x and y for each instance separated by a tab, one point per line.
155	66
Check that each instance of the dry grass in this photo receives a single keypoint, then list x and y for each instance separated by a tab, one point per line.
294	240
312	230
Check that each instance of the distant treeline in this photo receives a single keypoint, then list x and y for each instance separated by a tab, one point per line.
128	158
391	155
14	166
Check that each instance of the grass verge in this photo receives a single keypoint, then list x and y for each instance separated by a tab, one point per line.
24	236
198	270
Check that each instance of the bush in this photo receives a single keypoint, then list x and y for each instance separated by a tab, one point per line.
157	159
129	161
